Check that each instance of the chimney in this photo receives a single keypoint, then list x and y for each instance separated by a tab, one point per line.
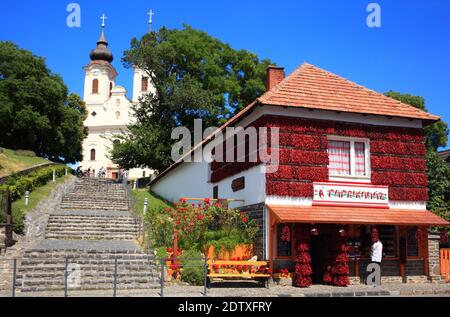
274	76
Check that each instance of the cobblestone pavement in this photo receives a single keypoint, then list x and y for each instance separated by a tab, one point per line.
221	290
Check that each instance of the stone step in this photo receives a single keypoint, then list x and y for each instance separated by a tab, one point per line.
93	218
92	274
91	207
88	287
93	225
87	238
41	285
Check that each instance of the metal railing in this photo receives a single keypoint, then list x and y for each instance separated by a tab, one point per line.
106	280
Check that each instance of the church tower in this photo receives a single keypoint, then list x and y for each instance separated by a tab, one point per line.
109	112
100	75
142	83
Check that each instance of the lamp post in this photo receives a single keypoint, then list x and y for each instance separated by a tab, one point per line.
27	196
145	206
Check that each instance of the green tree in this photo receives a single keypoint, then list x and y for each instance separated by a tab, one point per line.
437	133
196	76
439	185
36	112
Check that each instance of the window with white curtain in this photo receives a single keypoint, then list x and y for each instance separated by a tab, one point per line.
348	157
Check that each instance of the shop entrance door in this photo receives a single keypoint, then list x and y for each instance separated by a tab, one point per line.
322	252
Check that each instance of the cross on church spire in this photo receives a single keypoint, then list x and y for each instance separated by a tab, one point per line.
103	18
150	21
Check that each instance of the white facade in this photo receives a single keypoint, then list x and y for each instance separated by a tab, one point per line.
109	113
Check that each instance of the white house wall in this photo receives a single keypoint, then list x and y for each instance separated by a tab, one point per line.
189	180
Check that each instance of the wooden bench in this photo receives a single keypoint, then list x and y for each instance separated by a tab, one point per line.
261	277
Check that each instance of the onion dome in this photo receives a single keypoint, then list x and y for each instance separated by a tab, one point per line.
102	52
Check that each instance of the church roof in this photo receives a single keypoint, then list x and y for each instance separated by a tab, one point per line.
102	52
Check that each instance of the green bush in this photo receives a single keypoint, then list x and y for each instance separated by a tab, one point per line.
18	185
193	267
161	253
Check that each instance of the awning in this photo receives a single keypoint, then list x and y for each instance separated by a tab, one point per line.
352	215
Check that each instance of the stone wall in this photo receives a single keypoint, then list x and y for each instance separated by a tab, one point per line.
256	212
434	268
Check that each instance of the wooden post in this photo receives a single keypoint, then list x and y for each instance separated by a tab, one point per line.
271	226
356	262
175	246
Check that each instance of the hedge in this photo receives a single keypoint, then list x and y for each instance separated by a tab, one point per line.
18	185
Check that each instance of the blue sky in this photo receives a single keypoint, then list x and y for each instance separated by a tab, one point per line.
409	53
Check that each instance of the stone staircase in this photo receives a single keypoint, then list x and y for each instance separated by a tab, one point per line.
90	232
106	195
79	226
91	266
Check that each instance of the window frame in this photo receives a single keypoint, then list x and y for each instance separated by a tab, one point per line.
145	80
95	86
352	176
93	153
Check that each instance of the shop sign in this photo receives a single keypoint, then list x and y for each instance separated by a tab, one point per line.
355	195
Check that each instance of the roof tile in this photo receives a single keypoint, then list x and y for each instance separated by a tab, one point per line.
314	88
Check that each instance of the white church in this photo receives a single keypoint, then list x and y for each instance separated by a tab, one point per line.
109	109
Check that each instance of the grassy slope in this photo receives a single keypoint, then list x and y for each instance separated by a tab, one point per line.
10	162
38	195
153	201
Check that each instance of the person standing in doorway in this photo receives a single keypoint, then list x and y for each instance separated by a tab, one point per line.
376	252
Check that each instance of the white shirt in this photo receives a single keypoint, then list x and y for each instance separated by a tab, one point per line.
377	252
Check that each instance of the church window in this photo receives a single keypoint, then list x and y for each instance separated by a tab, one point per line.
93	155
110	89
94	114
118	114
144	84
116	142
118	102
95	86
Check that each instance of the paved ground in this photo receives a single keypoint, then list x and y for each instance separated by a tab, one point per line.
248	290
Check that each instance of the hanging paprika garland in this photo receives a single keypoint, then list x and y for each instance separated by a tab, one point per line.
303	269
286	234
340	270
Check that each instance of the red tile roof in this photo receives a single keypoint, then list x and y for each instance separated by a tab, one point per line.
351	215
314	88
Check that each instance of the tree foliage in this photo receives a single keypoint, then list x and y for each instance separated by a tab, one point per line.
437	133
438	171
36	111
439	185
196	76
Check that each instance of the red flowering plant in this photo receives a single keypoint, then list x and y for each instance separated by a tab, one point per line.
204	224
190	222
